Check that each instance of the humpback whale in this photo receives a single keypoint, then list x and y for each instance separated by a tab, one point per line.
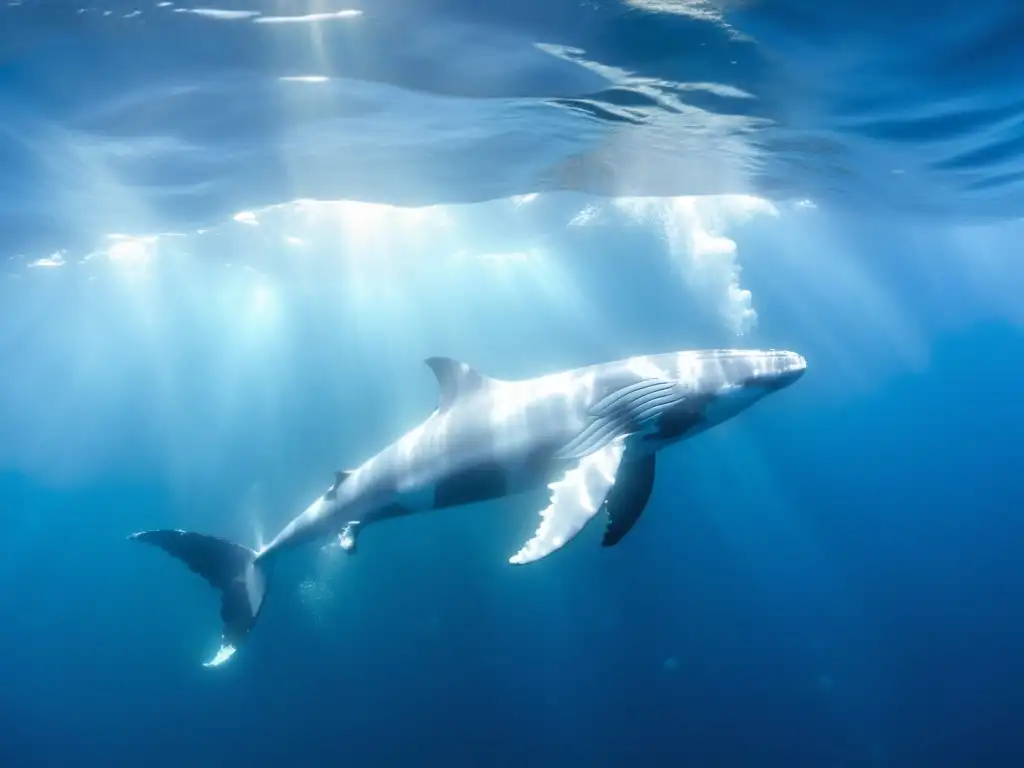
590	434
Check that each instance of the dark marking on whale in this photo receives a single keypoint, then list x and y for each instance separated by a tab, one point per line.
680	419
542	468
394	509
479	483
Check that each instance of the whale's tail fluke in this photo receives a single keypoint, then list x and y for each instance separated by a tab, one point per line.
232	569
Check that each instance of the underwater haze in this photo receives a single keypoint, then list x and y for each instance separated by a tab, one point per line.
230	234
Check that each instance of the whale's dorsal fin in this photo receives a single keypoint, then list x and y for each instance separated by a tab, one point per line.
455	379
339	477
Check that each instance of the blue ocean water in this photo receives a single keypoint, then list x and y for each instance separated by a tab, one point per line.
231	234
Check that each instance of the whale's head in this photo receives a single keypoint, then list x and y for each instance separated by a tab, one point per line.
730	381
721	383
770	370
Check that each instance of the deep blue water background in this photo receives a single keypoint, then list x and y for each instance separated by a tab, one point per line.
831	579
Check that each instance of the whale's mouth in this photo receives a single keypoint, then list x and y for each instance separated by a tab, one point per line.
779	370
778	381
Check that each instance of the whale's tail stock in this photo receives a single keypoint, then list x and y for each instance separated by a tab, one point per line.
235	571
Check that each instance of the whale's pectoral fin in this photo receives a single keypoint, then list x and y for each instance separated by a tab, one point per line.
348	535
627	499
575	499
622	412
